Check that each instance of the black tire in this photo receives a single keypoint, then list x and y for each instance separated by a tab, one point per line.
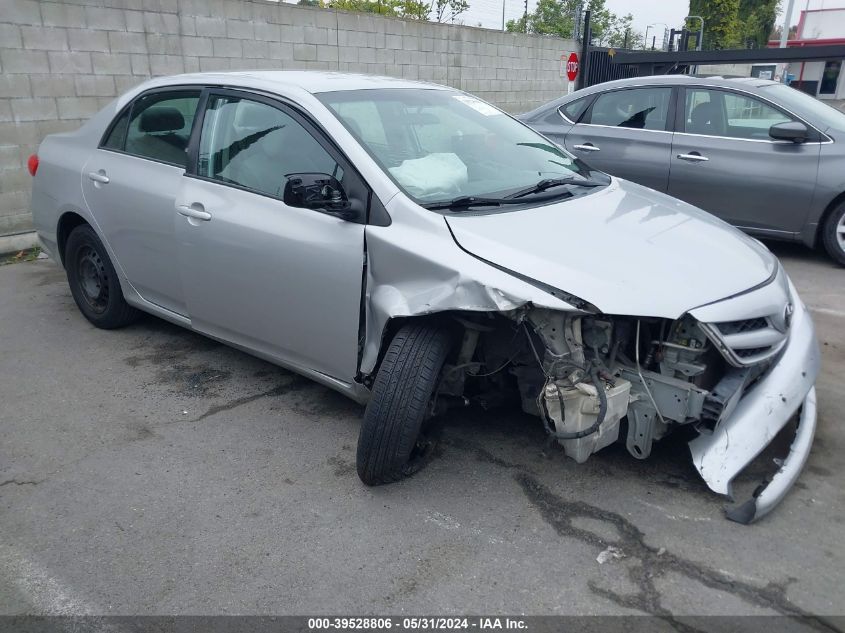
830	237
93	281
405	383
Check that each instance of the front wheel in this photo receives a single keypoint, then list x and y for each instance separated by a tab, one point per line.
93	281
833	234
388	447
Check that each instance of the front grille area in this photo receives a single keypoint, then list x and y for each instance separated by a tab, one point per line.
748	341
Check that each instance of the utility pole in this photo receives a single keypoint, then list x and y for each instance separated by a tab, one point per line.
587	35
787	18
525	15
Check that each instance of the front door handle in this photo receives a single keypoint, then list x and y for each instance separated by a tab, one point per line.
193	212
587	147
693	157
99	176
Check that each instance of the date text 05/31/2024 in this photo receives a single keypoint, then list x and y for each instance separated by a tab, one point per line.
417	623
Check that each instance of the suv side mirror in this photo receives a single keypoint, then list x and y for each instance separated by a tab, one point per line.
320	192
794	131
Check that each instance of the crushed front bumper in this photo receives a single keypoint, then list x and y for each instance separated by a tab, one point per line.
761	413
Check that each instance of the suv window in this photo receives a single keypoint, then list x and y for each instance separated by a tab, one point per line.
159	127
729	114
637	108
255	145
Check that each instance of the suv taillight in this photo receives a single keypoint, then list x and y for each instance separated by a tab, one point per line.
32	164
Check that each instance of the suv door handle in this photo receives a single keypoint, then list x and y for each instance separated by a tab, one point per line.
99	176
587	147
693	157
193	212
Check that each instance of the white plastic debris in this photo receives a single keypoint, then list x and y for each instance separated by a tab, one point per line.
611	553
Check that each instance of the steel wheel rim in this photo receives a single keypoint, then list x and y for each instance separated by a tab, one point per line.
840	232
93	280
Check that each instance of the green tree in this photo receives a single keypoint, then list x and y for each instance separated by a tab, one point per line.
721	22
410	9
448	10
557	17
757	21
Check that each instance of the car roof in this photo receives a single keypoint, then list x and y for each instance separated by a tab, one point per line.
675	80
312	81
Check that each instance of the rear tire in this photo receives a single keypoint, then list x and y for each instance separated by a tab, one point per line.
405	383
833	234
93	281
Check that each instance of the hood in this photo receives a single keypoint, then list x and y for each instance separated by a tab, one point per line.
625	248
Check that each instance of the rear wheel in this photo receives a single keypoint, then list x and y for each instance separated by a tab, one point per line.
389	446
833	234
93	281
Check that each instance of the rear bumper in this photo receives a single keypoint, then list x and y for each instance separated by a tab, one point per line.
720	456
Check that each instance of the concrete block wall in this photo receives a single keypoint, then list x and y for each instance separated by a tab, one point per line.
61	61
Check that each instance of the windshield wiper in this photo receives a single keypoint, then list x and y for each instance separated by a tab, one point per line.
554	182
464	202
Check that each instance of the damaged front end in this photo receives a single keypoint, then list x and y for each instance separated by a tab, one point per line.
735	372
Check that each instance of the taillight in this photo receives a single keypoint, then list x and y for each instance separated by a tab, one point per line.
32	164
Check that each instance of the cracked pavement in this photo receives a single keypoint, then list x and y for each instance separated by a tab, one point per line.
153	471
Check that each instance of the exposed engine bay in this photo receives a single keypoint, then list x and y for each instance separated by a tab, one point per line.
596	380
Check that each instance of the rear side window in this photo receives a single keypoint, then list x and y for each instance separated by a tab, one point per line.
257	146
159	127
575	109
116	138
638	108
729	114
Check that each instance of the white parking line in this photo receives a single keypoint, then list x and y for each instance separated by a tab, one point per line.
831	311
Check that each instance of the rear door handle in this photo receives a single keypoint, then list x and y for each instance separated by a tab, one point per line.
193	212
587	147
98	176
693	157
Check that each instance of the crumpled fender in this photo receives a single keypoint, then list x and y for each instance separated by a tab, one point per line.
410	273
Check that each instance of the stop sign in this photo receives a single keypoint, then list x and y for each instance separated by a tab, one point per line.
572	67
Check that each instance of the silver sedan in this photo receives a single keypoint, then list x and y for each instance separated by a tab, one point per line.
417	249
758	154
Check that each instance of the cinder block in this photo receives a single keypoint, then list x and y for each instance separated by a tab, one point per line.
394	42
127	42
10	36
162	23
164	44
140	64
135	21
166	65
197	46
6	110
15	86
187	25
211	64
304	52
77	107
20	61
268	32
21	12
314	35
9	158
69	63
37	109
327	54
95	86
240	29
192	64
60	14
255	49
227	48
87	40
52	85
210	26
292	34
105	19
280	50
111	63
124	83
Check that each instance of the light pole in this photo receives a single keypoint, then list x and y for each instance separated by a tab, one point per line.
645	38
700	30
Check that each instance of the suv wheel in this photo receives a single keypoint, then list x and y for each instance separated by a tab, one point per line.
93	281
833	234
389	446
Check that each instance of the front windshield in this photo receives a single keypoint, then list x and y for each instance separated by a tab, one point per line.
441	144
816	112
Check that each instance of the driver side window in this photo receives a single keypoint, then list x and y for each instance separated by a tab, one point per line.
257	146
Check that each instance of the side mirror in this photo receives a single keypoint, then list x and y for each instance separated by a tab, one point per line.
320	192
794	131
